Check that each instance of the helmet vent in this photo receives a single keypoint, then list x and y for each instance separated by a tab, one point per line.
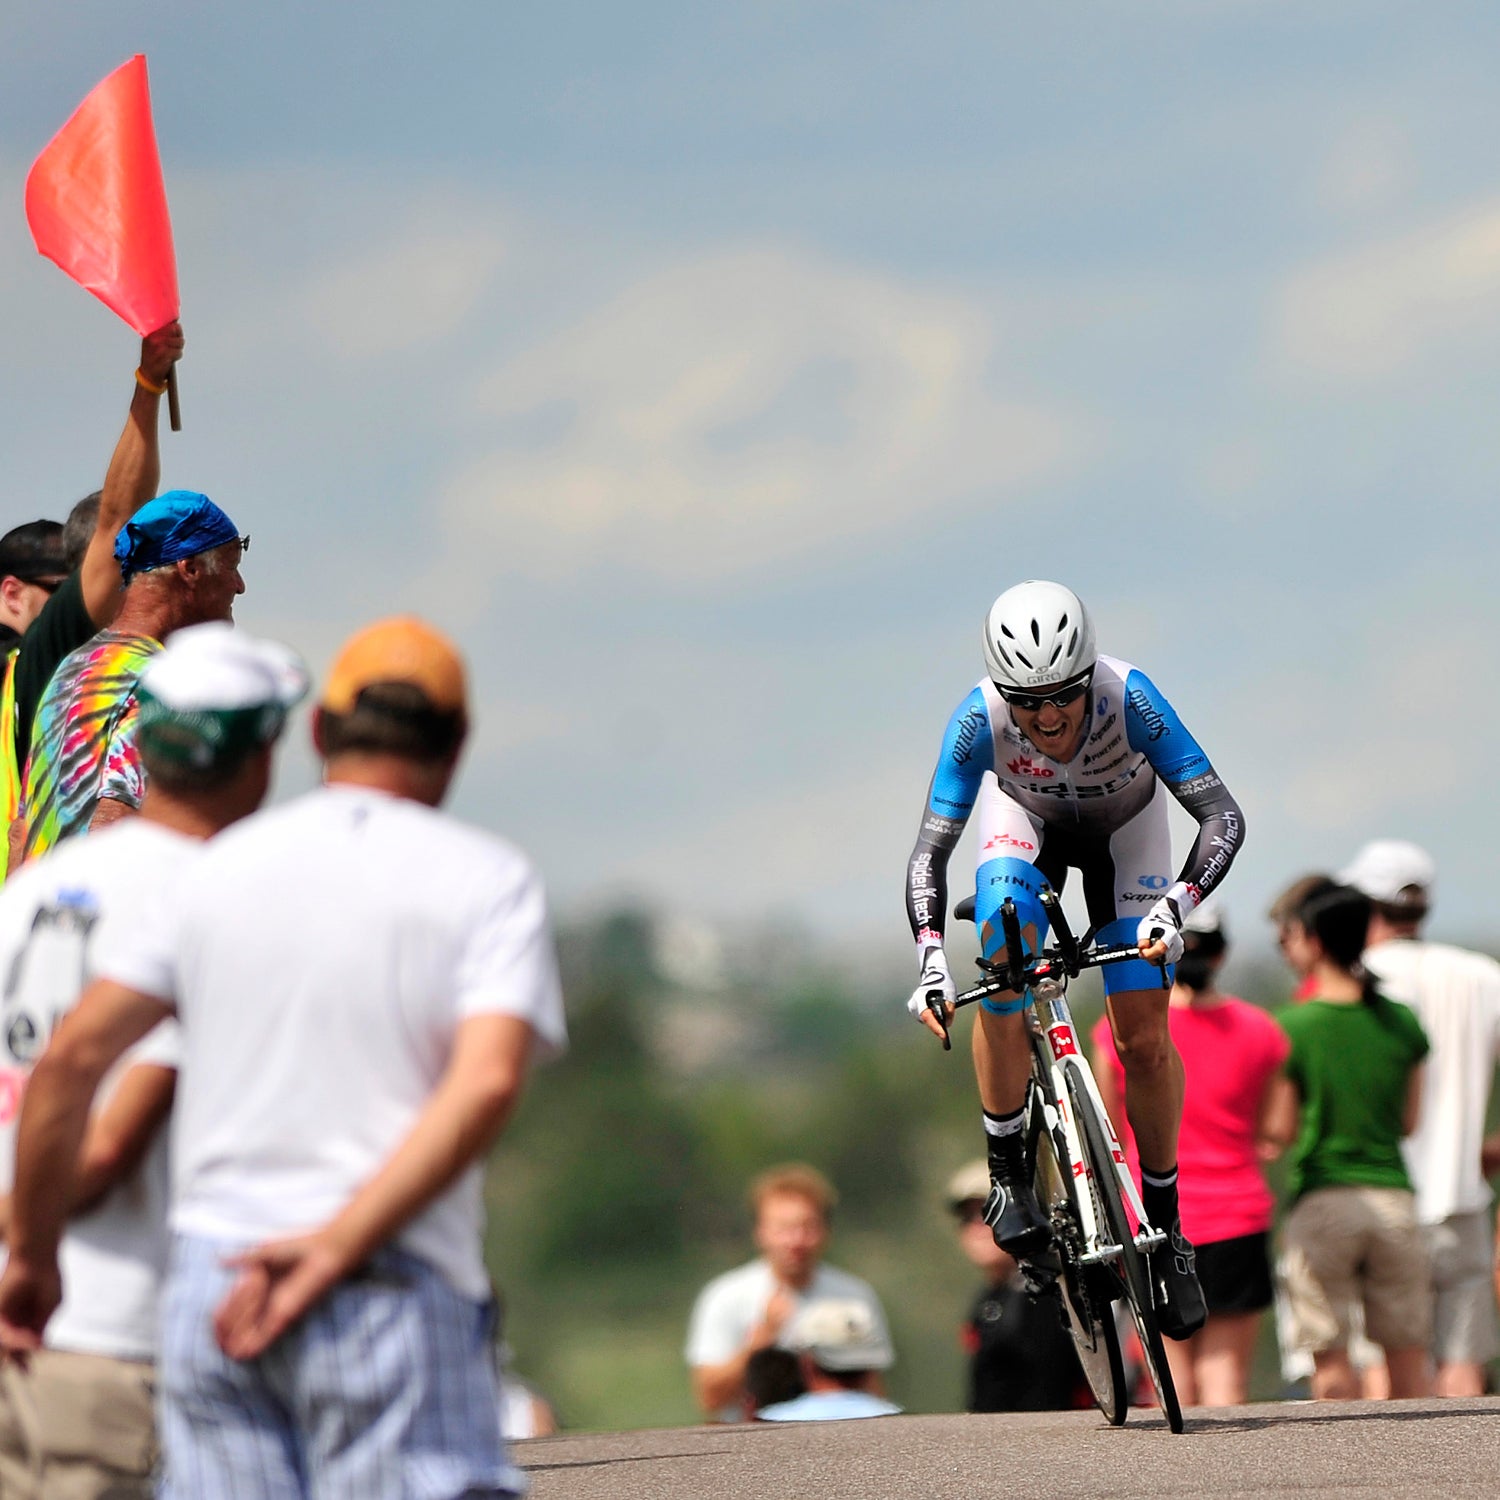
1024	662
1036	631
1056	652
1006	631
1073	641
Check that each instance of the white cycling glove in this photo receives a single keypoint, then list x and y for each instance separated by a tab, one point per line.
1162	924
935	976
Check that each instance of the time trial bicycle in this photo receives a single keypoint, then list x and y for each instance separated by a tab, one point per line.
1095	1260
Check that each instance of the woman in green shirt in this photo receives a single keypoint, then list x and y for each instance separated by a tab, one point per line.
1347	1094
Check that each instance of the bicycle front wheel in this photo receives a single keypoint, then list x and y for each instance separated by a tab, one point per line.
1087	1307
1133	1275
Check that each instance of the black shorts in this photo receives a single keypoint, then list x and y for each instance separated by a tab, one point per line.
1236	1274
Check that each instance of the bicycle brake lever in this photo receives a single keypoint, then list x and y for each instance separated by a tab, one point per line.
935	1005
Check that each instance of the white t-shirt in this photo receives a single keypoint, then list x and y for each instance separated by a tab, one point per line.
732	1304
320	964
53	914
1456	996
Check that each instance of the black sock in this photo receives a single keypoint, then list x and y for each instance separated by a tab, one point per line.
1159	1196
1006	1141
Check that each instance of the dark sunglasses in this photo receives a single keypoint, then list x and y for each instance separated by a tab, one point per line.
1059	697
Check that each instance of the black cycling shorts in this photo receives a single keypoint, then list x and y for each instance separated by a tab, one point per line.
1236	1274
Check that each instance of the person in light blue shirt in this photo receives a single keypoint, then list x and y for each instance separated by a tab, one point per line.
841	1351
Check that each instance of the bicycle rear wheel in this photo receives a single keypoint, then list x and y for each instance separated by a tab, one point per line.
1132	1274
1088	1309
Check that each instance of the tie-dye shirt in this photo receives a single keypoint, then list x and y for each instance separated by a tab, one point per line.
83	743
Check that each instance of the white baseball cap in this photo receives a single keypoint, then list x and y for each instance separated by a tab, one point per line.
839	1335
213	692
1385	869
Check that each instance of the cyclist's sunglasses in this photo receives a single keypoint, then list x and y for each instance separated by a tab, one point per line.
1059	697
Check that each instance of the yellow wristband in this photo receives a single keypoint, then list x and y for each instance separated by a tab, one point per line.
147	384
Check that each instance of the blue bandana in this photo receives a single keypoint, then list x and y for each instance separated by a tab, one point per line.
181	523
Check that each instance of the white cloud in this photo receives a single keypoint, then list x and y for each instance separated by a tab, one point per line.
1369	314
405	294
746	408
1370	165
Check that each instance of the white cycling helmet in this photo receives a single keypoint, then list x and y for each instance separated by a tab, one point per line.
1037	634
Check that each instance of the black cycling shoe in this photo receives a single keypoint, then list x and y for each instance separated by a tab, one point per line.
1180	1308
1016	1219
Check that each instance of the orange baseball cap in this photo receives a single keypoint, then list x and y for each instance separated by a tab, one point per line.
401	649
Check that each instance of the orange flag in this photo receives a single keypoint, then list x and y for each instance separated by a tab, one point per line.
97	205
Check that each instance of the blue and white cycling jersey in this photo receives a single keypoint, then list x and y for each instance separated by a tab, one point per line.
1100	813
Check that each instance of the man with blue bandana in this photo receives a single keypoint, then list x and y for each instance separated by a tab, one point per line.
179	558
1068	757
57	598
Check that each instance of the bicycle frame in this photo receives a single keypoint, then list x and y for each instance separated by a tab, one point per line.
1056	1053
1096	1243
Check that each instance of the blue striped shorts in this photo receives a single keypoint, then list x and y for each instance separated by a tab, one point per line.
385	1391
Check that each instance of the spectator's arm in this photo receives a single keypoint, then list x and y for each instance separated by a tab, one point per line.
1413	1107
719	1385
280	1281
1280	1111
120	1134
55	1110
133	475
117	1137
109	810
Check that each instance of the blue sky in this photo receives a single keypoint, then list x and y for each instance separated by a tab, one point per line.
709	369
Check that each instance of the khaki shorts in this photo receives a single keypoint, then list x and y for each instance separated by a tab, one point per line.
77	1427
1342	1245
1463	1324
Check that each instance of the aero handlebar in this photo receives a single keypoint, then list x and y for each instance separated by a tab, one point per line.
1066	959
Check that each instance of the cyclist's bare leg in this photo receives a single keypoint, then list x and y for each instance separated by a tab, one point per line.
1002	1061
1002	1068
1153	1074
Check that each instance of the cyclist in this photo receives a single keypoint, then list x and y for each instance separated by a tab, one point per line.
1069	757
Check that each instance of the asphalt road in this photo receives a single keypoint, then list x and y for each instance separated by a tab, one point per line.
1364	1448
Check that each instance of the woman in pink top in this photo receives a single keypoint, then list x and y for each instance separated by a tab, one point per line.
1231	1053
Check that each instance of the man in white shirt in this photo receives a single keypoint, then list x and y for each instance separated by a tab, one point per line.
748	1309
78	1421
1456	995
360	982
